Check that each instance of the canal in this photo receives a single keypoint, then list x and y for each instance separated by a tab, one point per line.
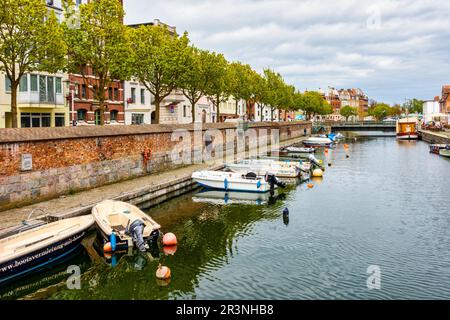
386	205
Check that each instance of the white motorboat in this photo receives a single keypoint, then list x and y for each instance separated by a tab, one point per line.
318	142
128	223
407	128
263	166
299	150
234	181
40	246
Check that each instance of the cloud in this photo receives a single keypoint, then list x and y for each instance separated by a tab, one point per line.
392	49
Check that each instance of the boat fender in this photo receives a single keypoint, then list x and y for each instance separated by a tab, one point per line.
310	186
107	247
163	272
258	184
169	239
113	241
285	212
225	184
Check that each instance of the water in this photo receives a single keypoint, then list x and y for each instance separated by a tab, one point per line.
387	205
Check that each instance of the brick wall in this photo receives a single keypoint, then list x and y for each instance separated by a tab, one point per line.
71	159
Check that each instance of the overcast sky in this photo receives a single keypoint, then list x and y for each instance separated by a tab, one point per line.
392	49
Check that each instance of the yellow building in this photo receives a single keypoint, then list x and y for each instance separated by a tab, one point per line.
228	109
41	101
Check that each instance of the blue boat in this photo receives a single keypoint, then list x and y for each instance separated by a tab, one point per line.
31	250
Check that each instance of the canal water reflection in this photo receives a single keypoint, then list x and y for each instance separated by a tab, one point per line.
387	204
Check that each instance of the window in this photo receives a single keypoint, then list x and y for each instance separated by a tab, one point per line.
7	84
58	85
116	94
142	96
34	120
81	115
133	95
137	118
83	91
23	85
60	120
34	83
113	115
184	111
110	93
50	89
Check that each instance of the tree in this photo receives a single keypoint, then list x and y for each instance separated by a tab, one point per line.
159	60
198	76
313	103
241	86
98	44
414	106
276	87
261	91
31	40
219	88
380	111
348	111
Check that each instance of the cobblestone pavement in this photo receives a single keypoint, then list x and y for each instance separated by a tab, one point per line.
13	217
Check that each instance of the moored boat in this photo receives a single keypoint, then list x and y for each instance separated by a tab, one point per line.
233	181
407	128
445	152
435	148
33	249
299	150
263	166
318	142
127	222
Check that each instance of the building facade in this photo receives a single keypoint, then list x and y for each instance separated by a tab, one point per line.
445	101
41	98
431	108
139	103
228	109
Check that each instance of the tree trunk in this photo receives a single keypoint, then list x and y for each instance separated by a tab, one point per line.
218	107
14	87
237	103
157	106
193	111
271	113
262	109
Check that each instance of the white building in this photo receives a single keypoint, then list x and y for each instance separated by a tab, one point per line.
431	108
138	103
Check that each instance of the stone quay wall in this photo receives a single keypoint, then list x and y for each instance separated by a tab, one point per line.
435	137
71	159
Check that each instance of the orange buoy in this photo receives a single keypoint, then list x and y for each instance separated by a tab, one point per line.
169	250
107	247
326	150
169	239
310	186
163	272
346	146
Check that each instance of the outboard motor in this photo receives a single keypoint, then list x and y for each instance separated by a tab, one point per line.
136	231
314	161
273	180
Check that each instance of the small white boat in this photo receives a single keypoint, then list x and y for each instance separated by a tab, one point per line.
40	246
445	152
128	223
318	142
233	181
263	166
299	150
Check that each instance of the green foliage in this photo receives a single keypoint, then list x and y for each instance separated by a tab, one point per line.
219	89
380	111
348	111
30	40
99	43
413	106
313	103
197	78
